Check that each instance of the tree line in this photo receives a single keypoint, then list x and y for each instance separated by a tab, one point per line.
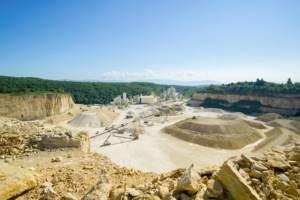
83	92
259	87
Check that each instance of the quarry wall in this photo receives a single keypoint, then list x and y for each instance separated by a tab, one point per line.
283	104
30	107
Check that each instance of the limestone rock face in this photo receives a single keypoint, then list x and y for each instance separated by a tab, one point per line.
15	181
30	107
79	140
100	191
285	105
20	138
235	183
190	180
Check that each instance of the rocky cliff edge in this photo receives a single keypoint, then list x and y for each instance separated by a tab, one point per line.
285	105
30	107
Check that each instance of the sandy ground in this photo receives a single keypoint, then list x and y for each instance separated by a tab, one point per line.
159	152
278	141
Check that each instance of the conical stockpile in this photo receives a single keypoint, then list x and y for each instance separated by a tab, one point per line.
90	120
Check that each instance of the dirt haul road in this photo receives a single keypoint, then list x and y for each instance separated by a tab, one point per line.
159	152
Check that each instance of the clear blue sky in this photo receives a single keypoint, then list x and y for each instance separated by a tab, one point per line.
226	41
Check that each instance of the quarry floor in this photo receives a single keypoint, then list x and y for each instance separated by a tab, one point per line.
156	151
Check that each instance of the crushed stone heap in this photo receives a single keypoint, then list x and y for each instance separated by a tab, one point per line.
216	133
86	120
269	117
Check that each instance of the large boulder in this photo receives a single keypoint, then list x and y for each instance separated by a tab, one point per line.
79	140
214	189
295	154
277	160
190	180
14	181
233	181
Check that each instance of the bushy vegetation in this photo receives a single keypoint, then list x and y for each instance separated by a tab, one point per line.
244	106
214	103
259	87
83	92
294	118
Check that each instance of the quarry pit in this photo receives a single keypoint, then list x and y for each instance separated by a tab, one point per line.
168	144
175	141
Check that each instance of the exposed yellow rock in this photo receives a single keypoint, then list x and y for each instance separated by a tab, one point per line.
214	189
29	107
277	161
283	104
163	191
15	181
292	191
235	183
100	191
190	180
291	102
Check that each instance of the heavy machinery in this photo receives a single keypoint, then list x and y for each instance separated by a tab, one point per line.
106	142
135	136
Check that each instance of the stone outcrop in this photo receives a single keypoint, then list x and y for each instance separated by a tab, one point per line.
274	174
190	180
30	107
14	181
23	138
277	161
244	177
79	140
285	104
235	183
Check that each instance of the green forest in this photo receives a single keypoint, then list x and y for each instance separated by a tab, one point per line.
104	92
258	87
84	92
244	106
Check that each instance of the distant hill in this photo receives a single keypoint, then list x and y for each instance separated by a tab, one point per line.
160	81
259	87
182	83
85	92
251	97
